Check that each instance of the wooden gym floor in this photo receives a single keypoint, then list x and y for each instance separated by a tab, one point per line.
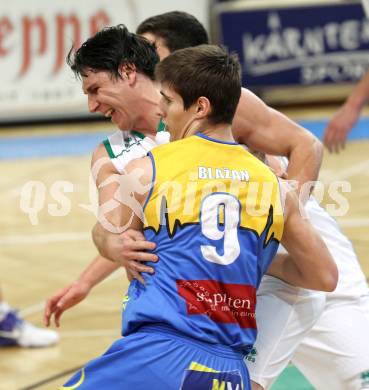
41	253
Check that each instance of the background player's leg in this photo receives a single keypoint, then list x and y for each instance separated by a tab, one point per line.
285	315
335	354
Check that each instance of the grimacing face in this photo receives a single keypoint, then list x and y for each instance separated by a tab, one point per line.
110	96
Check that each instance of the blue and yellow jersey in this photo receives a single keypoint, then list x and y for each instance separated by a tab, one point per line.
215	213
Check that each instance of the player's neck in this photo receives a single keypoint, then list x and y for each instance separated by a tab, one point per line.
221	132
148	123
149	117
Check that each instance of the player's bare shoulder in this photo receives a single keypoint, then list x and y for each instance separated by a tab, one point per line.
142	168
101	165
251	114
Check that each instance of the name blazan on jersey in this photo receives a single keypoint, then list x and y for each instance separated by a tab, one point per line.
223	173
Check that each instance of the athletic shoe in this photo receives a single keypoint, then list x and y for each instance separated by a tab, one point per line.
16	331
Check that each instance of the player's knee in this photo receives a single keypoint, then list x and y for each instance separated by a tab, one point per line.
358	382
256	386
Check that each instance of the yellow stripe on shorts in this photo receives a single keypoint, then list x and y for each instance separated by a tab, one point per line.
194	366
79	383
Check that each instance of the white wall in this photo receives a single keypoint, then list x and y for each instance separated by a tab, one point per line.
35	37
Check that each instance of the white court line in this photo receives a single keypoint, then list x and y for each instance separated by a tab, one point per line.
44	238
36	308
350	171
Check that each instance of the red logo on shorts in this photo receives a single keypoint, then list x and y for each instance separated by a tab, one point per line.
222	302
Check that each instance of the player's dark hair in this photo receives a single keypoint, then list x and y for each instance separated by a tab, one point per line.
111	48
205	70
178	30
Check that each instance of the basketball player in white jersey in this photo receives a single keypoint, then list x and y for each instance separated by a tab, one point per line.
324	334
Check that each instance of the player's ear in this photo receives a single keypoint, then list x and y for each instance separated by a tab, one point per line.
128	73
203	107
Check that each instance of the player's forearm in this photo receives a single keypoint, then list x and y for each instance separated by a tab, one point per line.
304	161
266	130
303	149
97	271
298	274
99	236
283	268
309	262
319	273
359	97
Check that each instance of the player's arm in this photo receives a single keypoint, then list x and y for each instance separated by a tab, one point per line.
346	117
119	211
132	244
77	291
93	274
308	263
267	130
133	247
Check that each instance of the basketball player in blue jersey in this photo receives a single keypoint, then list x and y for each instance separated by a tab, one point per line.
191	323
174	30
118	82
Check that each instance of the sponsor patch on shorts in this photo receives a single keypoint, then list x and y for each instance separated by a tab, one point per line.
200	380
222	302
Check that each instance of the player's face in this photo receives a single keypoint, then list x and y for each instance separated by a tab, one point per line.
178	121
159	43
110	96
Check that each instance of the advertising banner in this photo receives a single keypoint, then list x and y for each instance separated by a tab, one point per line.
35	38
311	43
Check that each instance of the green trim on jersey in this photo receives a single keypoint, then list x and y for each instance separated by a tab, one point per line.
128	146
108	148
138	134
127	141
161	127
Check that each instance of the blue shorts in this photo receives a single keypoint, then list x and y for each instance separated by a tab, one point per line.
158	359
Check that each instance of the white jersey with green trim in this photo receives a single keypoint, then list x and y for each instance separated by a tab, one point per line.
125	146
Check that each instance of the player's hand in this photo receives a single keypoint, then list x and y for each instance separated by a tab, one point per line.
281	174
63	300
130	249
339	126
130	277
276	167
